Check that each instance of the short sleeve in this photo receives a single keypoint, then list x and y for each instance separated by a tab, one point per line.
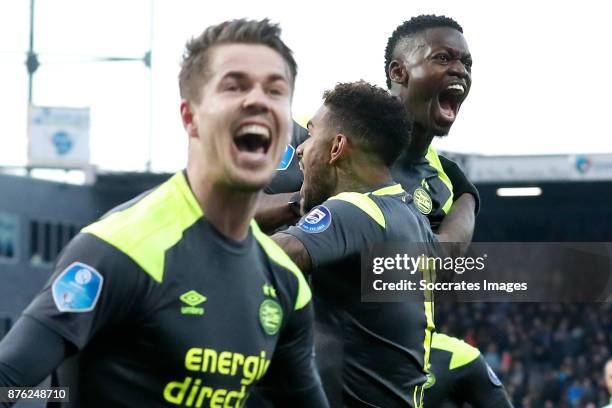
335	230
478	384
461	184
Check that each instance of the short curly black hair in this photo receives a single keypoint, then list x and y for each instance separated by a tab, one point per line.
415	25
369	115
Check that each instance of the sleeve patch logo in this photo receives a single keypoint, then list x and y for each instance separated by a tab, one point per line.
77	288
287	158
317	220
492	377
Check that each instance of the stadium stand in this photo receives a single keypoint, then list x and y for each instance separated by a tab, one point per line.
546	354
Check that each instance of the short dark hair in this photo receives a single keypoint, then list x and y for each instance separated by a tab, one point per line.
242	31
413	26
378	121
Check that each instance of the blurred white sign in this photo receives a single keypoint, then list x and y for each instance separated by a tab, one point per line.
540	168
58	137
592	166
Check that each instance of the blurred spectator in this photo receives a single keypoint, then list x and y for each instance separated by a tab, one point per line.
608	380
492	356
547	354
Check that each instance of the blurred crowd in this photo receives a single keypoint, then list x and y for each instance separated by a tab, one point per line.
546	354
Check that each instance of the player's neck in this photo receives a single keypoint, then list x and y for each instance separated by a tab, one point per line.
421	139
363	179
228	210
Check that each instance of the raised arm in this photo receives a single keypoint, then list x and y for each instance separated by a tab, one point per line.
458	225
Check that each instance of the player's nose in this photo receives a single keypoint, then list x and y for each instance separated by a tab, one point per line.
256	99
300	150
457	68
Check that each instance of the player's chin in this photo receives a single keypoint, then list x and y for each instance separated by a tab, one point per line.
251	180
441	126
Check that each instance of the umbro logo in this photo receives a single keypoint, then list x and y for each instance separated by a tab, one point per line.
425	185
192	299
269	290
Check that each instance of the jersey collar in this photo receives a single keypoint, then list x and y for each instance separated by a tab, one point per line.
389	190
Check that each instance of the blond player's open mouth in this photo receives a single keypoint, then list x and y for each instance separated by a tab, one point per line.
251	144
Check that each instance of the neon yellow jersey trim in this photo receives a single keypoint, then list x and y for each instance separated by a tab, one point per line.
366	204
417	397
434	161
462	353
390	190
428	304
147	229
276	254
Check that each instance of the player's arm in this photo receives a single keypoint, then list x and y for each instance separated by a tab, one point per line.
82	296
275	210
479	386
458	225
295	249
327	233
29	353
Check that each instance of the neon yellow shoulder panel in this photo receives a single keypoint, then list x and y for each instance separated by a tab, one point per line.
390	190
279	256
462	353
366	204
147	229
434	161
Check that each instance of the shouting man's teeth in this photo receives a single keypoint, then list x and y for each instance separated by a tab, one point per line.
253	138
456	87
262	131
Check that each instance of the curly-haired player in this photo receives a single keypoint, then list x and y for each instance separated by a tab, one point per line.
369	354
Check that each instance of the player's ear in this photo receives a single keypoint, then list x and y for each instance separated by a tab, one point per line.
188	119
397	72
340	148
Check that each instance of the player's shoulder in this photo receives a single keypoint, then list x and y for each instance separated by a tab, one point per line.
449	165
282	261
373	206
462	353
151	224
439	161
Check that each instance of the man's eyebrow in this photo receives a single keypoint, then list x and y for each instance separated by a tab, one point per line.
235	74
456	52
277	77
240	75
